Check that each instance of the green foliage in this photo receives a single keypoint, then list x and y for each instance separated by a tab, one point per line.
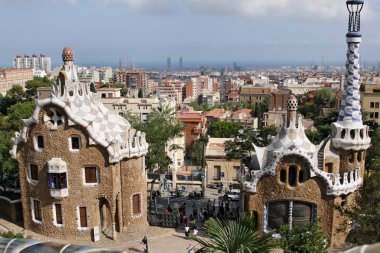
238	236
221	129
323	127
140	94
242	145
92	87
32	85
365	215
8	125
323	98
160	127
18	112
308	110
196	153
303	239
16	93
113	85
10	234
373	153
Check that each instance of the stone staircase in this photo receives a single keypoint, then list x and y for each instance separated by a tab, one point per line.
321	151
107	232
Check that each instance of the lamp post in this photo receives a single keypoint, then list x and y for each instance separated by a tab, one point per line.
204	140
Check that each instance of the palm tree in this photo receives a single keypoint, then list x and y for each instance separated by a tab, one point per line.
238	236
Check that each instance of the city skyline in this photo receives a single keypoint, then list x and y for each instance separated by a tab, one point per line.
104	31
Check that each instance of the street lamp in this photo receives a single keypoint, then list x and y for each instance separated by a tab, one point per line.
354	8
204	140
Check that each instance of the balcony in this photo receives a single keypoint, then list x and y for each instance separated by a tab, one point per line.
57	171
59	193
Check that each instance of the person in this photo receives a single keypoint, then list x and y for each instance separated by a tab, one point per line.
170	210
190	249
187	230
145	244
195	232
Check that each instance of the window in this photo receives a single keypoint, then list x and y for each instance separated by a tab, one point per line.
376	115
57	180
292	175
372	105
377	104
360	153
58	214
33	173
136	204
83	217
289	213
328	167
90	175
37	213
216	172
351	158
74	143
236	171
39	142
301	176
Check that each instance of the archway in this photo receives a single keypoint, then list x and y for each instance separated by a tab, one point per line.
105	217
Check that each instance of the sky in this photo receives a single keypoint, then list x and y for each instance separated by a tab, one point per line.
101	32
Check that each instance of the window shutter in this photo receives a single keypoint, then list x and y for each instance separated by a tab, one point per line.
90	174
83	216
136	204
58	214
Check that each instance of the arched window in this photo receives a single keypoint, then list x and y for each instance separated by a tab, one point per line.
283	175
292	175
301	176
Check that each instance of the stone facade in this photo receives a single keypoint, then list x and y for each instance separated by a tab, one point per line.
294	182
80	165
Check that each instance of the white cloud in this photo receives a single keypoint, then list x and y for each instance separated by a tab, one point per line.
321	9
149	6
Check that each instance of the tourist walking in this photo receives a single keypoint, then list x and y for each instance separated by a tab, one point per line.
145	244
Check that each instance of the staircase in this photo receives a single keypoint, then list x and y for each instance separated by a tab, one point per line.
321	152
107	232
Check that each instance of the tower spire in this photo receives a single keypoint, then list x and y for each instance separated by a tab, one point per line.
348	132
349	113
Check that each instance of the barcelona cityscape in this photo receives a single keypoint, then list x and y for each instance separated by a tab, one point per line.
198	126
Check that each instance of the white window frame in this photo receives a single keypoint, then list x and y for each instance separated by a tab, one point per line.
32	181
36	142
55	215
32	210
71	143
135	216
84	176
78	218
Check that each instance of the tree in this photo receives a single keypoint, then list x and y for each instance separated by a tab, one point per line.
16	93
161	126
221	129
365	227
92	87
242	146
18	112
140	94
196	153
32	85
323	98
308	238
238	236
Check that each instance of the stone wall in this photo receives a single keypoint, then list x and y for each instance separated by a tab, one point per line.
56	144
132	174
